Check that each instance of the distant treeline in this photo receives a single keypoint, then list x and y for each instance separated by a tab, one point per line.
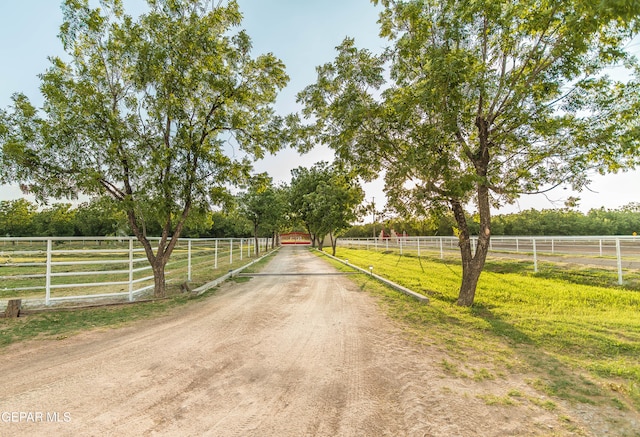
21	218
101	217
623	221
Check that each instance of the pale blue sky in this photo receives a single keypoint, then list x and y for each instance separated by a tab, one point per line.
302	33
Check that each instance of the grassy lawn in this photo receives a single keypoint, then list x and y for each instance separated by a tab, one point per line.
582	341
61	324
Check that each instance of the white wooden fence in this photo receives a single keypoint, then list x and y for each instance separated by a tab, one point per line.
611	252
53	269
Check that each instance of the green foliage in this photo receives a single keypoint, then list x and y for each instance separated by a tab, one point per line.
325	199
621	221
57	220
16	218
142	111
482	101
229	224
496	73
265	206
198	223
101	217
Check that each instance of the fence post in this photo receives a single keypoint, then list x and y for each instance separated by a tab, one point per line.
230	250
619	256
441	249
517	246
249	248
600	244
535	256
241	252
400	241
189	260
215	263
130	269
553	247
47	294
418	247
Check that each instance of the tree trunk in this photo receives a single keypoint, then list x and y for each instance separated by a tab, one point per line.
158	261
472	263
312	236
320	239
334	242
255	239
159	283
470	274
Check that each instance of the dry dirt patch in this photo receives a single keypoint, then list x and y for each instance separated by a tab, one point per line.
291	352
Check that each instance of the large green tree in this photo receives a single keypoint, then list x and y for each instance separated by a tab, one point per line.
304	181
57	220
264	205
279	220
476	103
229	224
326	199
16	218
100	217
143	109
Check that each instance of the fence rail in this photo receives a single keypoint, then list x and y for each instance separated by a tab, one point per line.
610	252
50	270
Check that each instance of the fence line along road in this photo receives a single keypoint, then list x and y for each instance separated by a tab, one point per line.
610	252
48	270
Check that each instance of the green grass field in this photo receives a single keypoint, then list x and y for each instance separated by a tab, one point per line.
583	341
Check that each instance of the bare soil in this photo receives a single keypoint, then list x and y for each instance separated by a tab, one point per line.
298	350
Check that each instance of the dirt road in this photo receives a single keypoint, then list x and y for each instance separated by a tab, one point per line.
297	350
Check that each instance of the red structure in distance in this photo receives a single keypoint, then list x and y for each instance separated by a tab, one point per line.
295	238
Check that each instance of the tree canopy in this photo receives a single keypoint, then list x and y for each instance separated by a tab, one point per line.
265	206
476	103
326	199
531	222
143	111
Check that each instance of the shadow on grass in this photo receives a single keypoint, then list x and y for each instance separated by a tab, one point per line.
570	273
556	378
589	276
